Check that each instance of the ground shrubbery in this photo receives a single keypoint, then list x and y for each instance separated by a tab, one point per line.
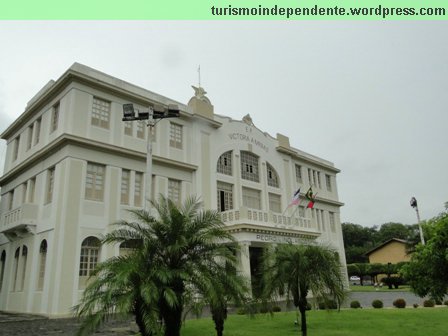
428	303
355	304
377	304
276	309
327	305
399	303
393	281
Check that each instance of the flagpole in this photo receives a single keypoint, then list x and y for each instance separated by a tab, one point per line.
415	206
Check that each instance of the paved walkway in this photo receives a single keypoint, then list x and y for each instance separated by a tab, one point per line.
366	298
32	325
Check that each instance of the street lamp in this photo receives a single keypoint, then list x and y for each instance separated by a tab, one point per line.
415	206
157	112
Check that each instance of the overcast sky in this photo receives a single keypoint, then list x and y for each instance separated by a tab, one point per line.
371	97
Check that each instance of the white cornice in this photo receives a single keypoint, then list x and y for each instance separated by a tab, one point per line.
67	139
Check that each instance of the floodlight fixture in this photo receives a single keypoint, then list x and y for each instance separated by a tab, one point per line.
143	115
128	112
173	111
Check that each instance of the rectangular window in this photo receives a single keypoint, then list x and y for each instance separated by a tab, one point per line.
100	113
125	179
225	196
251	198
275	203
318	180
32	190
128	128
24	188
50	185
310	177
11	199
298	173
328	182
332	222
29	140
302	211
141	129
174	190
176	135
249	167
138	189
322	219
37	131
95	182
15	149
54	118
88	260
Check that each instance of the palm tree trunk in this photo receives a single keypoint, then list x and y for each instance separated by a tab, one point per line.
219	314
173	321
139	318
303	320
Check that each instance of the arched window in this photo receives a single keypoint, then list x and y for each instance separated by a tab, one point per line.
24	258
129	246
249	167
224	165
16	268
43	260
272	176
90	253
2	268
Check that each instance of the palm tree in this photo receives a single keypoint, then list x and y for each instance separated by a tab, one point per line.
299	270
181	250
225	289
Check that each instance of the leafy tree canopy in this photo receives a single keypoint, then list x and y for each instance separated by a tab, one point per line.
427	272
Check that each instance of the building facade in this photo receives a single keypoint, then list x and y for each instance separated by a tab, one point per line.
392	251
73	167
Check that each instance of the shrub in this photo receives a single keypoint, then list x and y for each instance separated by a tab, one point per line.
393	281
415	305
264	310
276	309
399	303
446	303
355	304
377	304
428	303
331	304
241	311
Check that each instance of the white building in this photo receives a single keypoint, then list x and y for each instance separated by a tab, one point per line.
73	167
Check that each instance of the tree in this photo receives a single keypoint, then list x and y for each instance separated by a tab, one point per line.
357	241
427	272
393	230
298	270
359	269
179	250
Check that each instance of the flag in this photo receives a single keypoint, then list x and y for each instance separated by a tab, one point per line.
311	198
295	198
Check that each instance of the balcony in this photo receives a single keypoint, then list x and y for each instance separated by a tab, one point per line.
19	222
269	220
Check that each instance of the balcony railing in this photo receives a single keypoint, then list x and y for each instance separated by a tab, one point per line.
19	218
264	218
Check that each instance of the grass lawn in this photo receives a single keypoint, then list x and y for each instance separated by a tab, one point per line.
350	322
370	288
